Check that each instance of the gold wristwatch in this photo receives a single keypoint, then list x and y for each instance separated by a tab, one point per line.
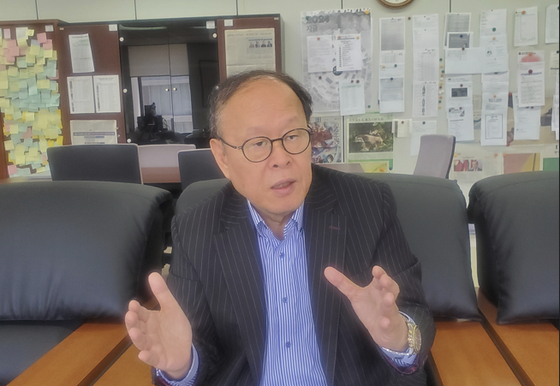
414	337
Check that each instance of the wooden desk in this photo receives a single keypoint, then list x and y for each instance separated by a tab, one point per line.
531	349
79	359
464	355
160	175
128	370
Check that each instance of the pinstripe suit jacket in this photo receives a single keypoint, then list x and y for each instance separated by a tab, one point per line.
216	275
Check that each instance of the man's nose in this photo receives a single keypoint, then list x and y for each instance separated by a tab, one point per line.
279	155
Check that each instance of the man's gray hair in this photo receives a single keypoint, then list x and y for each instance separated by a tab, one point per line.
225	90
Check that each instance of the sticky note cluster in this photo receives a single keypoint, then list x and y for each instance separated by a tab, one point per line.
29	99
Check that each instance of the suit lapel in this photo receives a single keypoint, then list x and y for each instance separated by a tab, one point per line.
325	232
238	253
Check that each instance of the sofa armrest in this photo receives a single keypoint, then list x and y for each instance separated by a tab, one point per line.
80	358
464	354
128	370
531	349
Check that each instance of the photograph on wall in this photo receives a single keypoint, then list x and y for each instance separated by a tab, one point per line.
369	141
473	167
326	139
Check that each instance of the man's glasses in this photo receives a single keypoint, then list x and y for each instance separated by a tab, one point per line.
258	149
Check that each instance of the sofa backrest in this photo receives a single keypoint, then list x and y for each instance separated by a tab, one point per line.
76	249
516	221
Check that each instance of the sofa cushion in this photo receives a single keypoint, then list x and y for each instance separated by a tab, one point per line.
76	249
516	221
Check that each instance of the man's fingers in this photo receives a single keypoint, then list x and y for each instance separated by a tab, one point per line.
161	291
344	285
382	281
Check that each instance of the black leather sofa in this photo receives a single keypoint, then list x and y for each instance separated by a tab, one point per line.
70	252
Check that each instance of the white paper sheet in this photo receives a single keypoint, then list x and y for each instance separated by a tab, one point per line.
86	132
401	128
424	99
493	22
348	49
495	54
420	128
459	39
391	70
425	31
391	95
530	78
458	94
320	53
107	94
80	53
463	61
391	33
249	49
527	121
554	60
552	24
460	122
80	95
494	101
493	129
526	32
426	65
456	22
352	98
500	77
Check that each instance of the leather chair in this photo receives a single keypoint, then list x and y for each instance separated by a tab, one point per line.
433	215
72	252
115	162
516	222
197	165
435	155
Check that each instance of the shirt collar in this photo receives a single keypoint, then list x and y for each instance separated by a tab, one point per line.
296	219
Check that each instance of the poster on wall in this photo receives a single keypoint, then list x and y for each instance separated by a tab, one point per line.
326	139
337	47
250	49
369	141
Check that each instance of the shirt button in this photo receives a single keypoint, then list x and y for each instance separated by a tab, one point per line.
288	345
284	300
281	255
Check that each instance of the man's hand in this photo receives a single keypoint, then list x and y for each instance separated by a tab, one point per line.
375	306
164	337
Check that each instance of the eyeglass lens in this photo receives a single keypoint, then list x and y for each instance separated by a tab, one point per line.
294	142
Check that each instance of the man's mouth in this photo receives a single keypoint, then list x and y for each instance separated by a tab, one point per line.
282	184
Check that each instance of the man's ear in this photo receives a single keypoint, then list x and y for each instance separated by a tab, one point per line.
219	153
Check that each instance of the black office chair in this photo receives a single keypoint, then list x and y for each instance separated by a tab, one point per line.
115	162
197	165
435	155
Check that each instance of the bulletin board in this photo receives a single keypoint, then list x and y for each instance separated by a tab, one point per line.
29	96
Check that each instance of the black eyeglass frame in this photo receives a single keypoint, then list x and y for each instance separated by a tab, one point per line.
281	139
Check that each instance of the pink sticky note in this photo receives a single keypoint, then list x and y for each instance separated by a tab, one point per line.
12	43
12	169
10	59
7	33
47	45
27	134
42	37
13	51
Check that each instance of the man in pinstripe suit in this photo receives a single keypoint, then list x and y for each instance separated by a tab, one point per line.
291	274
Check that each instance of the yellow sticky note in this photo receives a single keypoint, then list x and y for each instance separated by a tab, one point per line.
20	149
30	59
48	53
9	145
29	117
13	71
41	169
14	128
22	42
38	69
43	145
24	73
4	84
41	60
20	159
60	140
4	103
50	143
4	75
54	55
33	152
30	32
14	86
34	50
44	84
